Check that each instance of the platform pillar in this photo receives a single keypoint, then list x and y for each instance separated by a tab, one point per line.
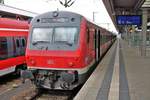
2	1
144	31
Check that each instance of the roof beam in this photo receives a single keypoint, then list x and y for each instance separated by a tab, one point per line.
111	11
139	4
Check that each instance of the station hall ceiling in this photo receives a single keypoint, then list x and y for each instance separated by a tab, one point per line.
127	4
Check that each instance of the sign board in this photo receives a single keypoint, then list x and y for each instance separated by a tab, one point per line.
129	20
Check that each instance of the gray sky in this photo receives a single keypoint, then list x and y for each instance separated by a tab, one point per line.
84	7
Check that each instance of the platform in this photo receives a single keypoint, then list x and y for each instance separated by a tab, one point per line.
123	74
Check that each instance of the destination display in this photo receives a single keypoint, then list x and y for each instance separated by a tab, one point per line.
54	20
129	20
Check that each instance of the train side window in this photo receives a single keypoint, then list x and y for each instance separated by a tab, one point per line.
3	48
102	39
17	42
94	36
23	42
88	35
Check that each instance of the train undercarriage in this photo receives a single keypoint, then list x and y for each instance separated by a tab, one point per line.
57	79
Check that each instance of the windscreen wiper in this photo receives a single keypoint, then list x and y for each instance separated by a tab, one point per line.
64	42
36	42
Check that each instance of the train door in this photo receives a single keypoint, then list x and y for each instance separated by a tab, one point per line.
101	43
96	50
98	38
97	44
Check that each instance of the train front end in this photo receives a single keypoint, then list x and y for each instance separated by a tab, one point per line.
54	51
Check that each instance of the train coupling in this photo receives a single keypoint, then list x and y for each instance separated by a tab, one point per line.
26	74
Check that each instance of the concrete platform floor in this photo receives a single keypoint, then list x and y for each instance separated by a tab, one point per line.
137	72
100	78
134	76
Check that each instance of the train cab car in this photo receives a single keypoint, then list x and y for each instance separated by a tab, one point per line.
62	49
13	39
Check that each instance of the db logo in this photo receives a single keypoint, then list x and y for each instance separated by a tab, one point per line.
50	62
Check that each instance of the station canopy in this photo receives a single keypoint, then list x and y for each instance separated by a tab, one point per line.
12	12
124	7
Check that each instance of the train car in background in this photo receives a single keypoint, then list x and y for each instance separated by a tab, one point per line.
13	39
63	47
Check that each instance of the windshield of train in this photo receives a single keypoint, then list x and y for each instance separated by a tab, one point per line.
65	35
42	35
55	38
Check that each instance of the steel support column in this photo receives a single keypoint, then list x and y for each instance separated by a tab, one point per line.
144	31
2	1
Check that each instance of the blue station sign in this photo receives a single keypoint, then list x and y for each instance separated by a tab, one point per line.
129	20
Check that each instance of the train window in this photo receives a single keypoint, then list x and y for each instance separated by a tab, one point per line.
88	35
42	35
17	42
3	48
66	34
23	42
94	40
105	38
101	39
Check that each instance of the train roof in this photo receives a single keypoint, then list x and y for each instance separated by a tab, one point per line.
53	14
63	14
11	23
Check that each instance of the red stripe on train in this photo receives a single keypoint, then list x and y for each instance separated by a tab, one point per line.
11	62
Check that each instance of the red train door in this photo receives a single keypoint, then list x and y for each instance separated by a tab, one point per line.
97	44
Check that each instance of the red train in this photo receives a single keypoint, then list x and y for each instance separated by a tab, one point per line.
13	36
63	48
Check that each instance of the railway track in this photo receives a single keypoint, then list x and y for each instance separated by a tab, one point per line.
8	78
12	88
28	91
8	82
55	94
